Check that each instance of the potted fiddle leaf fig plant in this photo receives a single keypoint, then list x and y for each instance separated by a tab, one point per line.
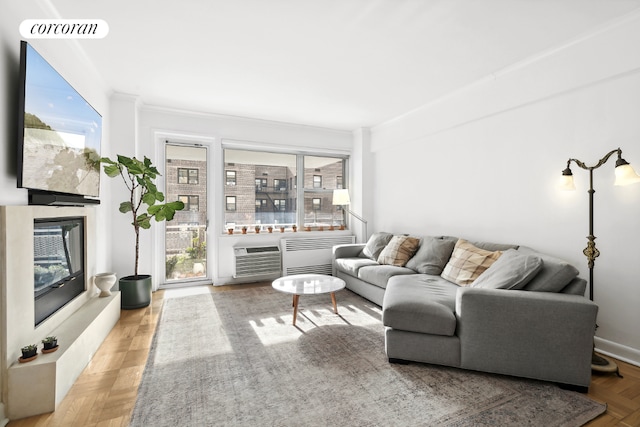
145	203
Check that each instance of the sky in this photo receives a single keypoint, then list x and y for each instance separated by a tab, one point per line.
56	103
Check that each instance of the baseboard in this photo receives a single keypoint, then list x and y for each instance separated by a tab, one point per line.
3	420
618	351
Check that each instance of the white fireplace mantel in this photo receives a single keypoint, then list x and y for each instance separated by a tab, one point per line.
81	325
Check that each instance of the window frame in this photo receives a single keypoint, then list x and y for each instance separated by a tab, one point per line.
227	180
189	176
235	203
294	198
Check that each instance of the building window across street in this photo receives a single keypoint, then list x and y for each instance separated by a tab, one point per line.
187	176
230	177
191	203
231	203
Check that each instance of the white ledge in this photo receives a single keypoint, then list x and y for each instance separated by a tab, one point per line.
39	386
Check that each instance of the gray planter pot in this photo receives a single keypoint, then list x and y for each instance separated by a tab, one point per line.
135	293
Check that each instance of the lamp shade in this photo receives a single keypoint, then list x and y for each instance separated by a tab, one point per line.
566	181
341	197
625	175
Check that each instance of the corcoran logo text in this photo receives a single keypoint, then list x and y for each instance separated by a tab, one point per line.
64	28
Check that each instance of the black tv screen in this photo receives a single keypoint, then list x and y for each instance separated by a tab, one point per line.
59	132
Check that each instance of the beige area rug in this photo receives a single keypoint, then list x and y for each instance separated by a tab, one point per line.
234	359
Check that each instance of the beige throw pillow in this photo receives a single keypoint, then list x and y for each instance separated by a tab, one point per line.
467	262
399	250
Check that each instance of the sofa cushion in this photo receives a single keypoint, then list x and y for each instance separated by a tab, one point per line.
420	303
491	246
467	262
513	270
399	250
352	265
554	275
432	256
379	274
376	244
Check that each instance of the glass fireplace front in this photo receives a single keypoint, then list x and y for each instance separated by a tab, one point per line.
58	264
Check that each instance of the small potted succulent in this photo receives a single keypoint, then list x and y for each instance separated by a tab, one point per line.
282	228
50	343
230	230
244	229
257	228
295	228
29	351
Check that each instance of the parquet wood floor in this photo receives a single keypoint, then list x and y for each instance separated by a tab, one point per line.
105	392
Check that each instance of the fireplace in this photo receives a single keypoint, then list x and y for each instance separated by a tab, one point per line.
58	264
81	324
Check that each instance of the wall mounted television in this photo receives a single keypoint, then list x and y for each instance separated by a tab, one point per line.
59	136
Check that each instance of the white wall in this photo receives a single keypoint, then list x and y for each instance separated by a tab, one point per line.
484	162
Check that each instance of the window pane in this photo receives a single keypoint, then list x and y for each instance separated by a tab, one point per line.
261	182
319	209
231	177
323	172
185	236
231	203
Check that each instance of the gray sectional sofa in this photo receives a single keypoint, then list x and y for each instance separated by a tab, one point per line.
483	306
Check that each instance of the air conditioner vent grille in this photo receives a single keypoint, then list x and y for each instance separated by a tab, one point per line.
257	261
310	255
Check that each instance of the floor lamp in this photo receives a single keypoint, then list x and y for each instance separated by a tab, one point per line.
625	175
341	198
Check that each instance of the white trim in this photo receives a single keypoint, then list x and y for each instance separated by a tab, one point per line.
237	144
161	137
3	420
230	117
618	351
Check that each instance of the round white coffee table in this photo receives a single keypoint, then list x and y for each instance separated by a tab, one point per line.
308	284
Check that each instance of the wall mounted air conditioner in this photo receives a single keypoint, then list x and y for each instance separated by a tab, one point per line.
254	261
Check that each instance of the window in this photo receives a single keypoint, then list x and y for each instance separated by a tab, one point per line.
187	176
280	205
280	184
230	177
261	184
231	203
191	203
302	198
320	179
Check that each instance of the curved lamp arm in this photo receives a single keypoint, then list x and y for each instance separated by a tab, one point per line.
364	221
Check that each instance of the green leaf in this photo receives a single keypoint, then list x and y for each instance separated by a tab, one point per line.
112	170
125	207
166	211
144	221
176	206
149	199
107	160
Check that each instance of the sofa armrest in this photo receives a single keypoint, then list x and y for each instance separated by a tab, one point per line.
542	335
351	250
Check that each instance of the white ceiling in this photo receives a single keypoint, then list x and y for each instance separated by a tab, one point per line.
340	64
